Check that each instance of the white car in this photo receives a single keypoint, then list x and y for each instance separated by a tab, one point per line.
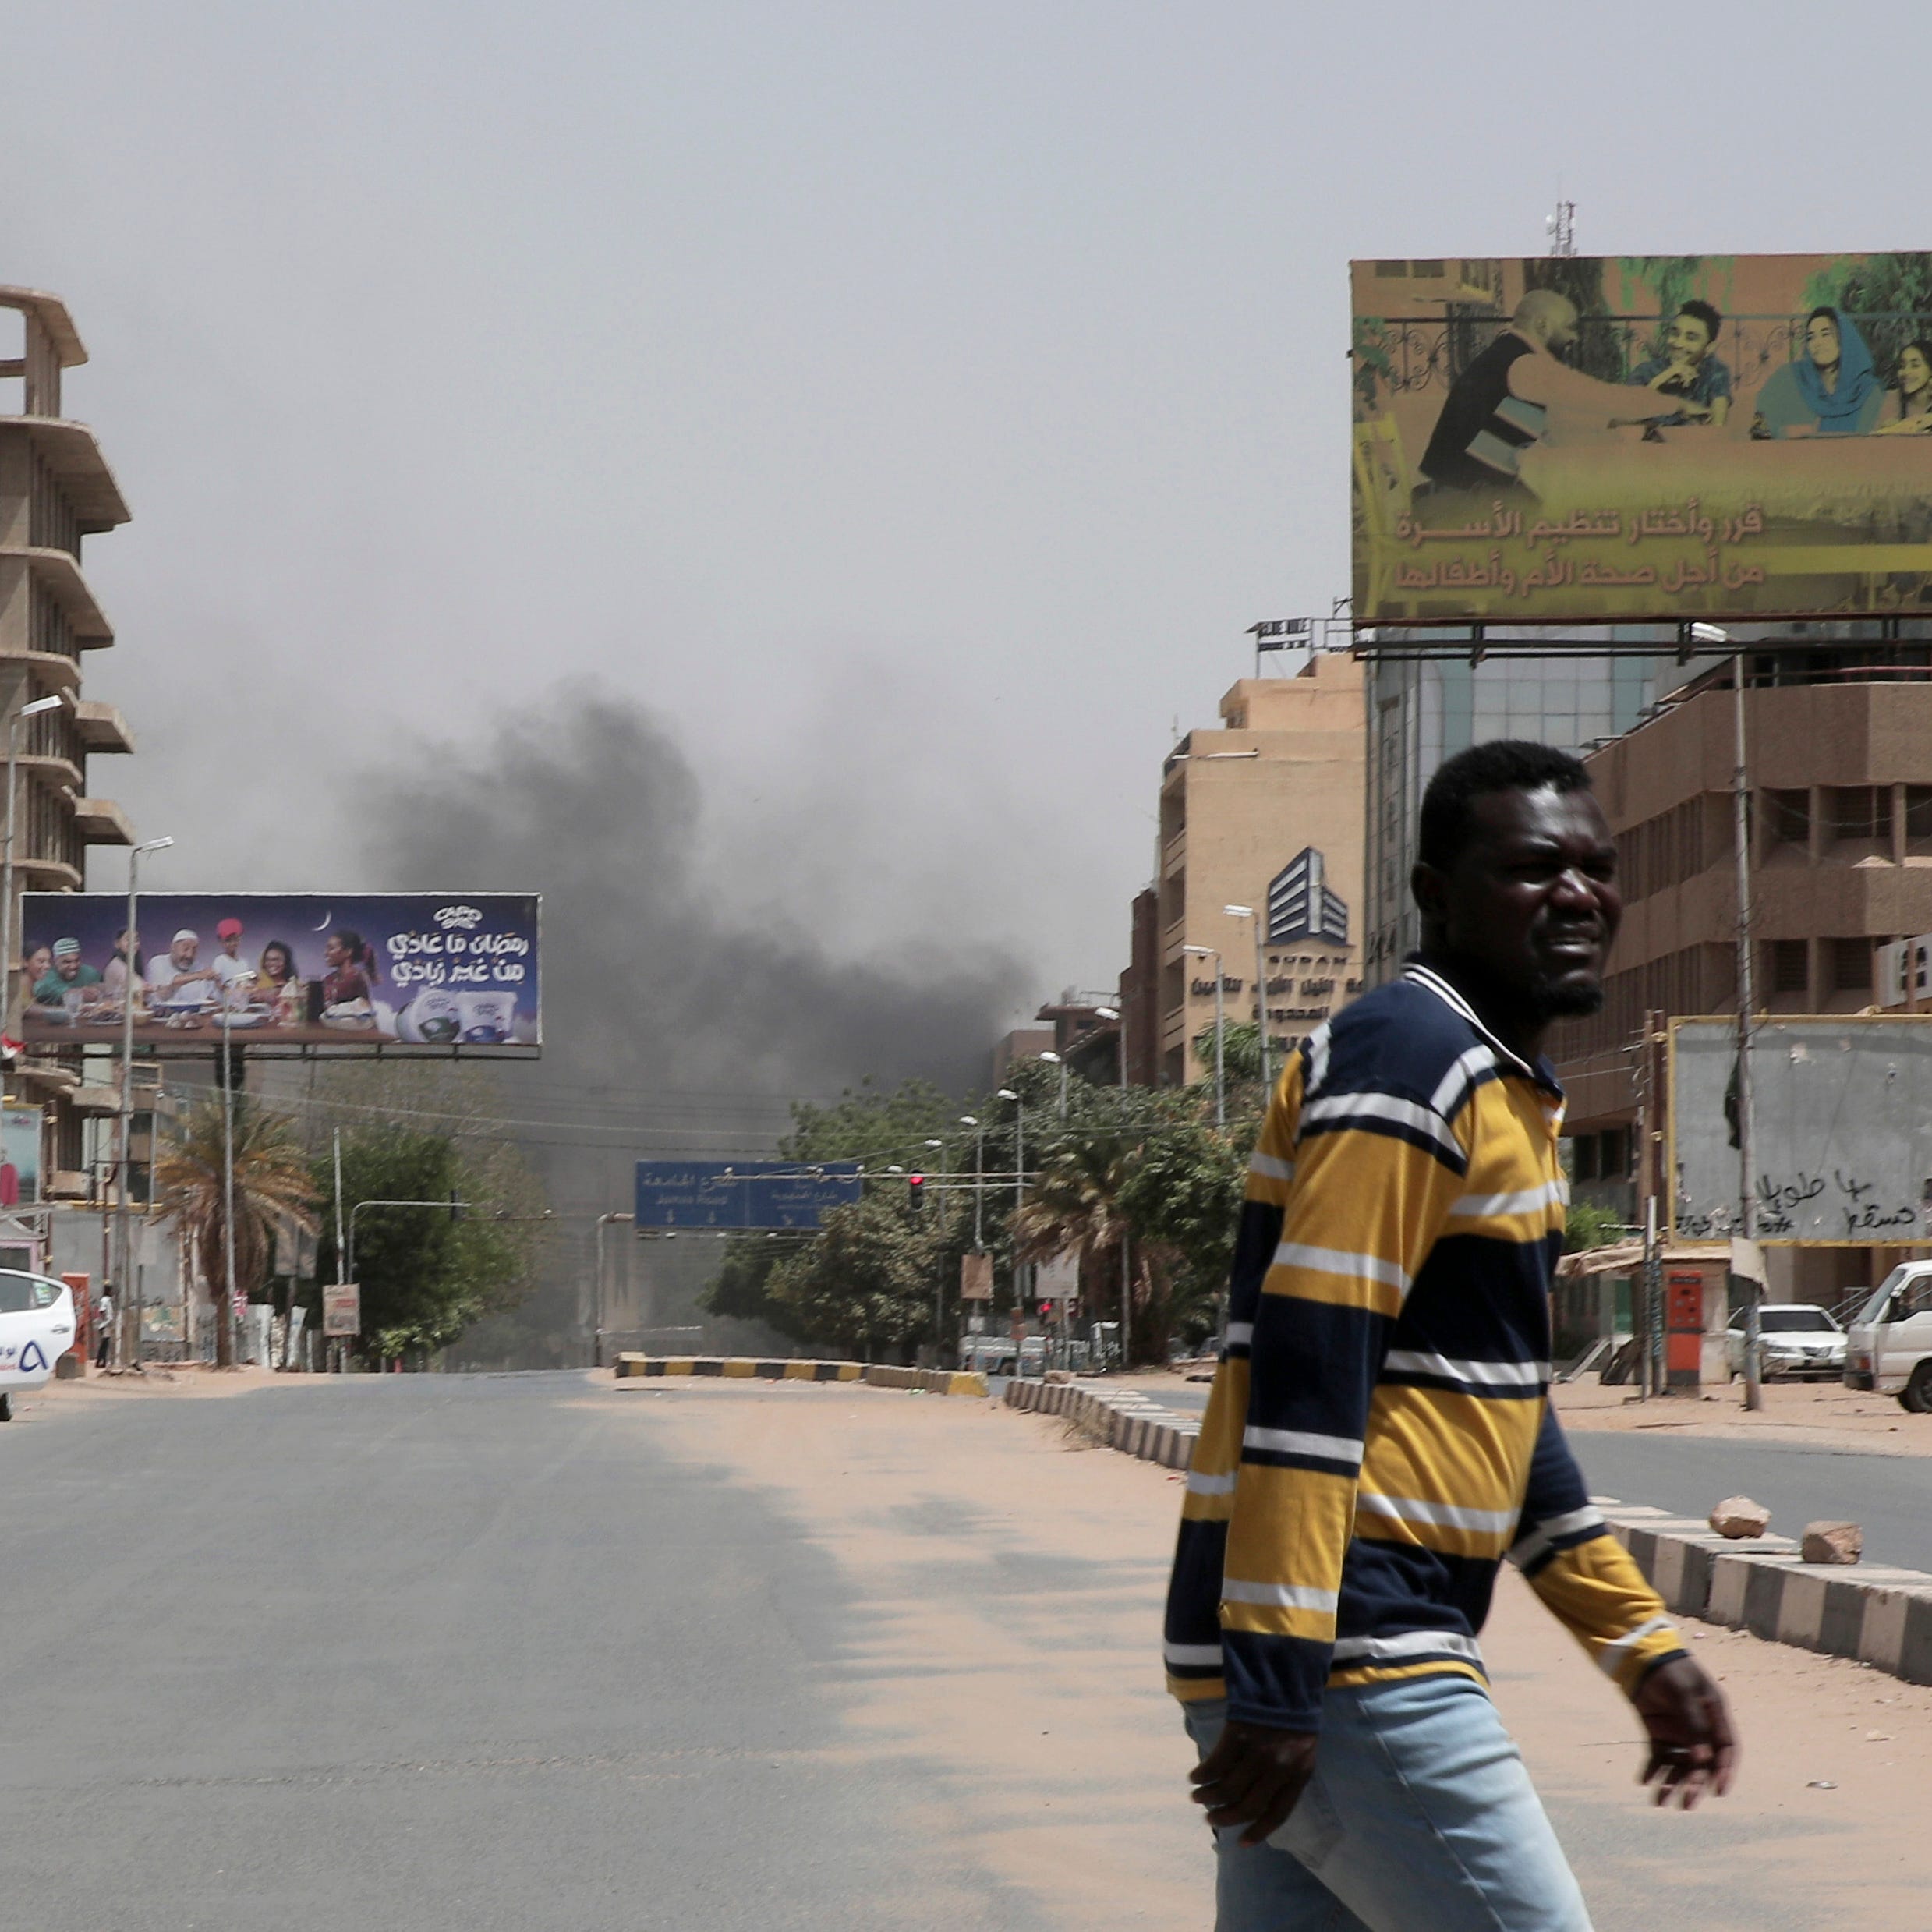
36	1327
1794	1338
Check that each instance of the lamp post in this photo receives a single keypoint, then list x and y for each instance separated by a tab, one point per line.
1741	855
7	946
130	1301
596	1344
1019	1181
1220	1060
1260	986
1054	1059
939	1269
1115	1013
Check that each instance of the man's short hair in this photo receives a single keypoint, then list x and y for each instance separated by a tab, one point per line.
1705	314
1504	764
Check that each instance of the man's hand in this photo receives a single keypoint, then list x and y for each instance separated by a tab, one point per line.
1254	1776
1693	1750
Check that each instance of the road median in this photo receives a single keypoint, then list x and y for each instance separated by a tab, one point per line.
760	1368
1870	1613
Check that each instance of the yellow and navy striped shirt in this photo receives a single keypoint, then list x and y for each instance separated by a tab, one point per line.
1379	1435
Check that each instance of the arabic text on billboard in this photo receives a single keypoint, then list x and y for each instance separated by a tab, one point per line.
292	969
1587	439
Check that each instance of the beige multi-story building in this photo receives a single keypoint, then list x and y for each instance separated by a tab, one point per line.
55	490
1264	812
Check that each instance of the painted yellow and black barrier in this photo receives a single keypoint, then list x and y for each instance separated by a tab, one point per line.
749	1368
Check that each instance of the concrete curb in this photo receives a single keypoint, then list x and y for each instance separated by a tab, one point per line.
1874	1614
1877	1615
1122	1418
931	1381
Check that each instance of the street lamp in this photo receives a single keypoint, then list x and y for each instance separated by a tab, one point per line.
1019	1177
979	1175
130	1301
1220	1057
1054	1059
6	862
1741	856
1260	985
1115	1014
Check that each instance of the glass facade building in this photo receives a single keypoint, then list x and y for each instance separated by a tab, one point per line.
1422	711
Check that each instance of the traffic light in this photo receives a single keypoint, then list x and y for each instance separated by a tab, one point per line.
1046	1311
915	1189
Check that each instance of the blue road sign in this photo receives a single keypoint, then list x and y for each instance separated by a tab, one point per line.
741	1195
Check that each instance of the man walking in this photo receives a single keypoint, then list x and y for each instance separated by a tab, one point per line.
1379	1435
103	1326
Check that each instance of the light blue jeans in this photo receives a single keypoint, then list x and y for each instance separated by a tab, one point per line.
1420	1817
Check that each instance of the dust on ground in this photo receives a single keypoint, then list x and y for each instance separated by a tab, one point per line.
1802	1415
1033	1681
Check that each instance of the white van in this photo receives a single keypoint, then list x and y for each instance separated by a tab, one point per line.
36	1327
1889	1348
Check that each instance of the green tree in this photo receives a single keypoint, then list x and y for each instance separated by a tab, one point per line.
866	1282
426	1273
272	1187
1587	1225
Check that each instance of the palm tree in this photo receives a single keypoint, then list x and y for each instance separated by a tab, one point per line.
1075	1203
272	1185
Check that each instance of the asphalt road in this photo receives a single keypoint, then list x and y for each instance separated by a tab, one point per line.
1890	1495
419	1653
427	1652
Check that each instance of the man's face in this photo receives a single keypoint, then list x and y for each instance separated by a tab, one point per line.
231	943
1559	332
68	965
182	954
1532	899
1689	340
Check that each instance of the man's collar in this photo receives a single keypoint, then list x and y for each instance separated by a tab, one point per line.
1427	976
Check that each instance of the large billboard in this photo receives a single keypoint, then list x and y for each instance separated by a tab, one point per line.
1841	1130
307	969
1587	439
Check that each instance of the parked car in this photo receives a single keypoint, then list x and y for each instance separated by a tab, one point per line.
36	1327
1795	1338
1889	1349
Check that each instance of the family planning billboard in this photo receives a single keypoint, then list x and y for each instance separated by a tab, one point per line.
344	972
1582	439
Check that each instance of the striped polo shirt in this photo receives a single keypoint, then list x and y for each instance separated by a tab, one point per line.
1379	1435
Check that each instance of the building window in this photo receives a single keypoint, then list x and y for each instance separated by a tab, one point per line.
1789	972
1919	817
1851	965
1787	817
1859	814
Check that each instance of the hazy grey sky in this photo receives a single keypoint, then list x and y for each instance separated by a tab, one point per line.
913	405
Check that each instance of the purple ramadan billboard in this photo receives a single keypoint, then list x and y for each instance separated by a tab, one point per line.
349	971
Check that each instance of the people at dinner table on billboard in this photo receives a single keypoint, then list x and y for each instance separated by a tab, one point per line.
444	973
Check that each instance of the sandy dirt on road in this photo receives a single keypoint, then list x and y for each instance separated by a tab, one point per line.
1797	1415
1032	1681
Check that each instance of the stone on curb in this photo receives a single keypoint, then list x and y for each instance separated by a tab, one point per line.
1738	1517
1832	1543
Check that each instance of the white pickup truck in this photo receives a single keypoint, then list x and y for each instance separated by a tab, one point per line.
1889	1348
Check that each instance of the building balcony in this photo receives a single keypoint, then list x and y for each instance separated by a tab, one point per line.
101	822
46	875
101	727
97	1100
64	582
72	453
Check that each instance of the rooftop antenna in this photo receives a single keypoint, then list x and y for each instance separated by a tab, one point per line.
1561	228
